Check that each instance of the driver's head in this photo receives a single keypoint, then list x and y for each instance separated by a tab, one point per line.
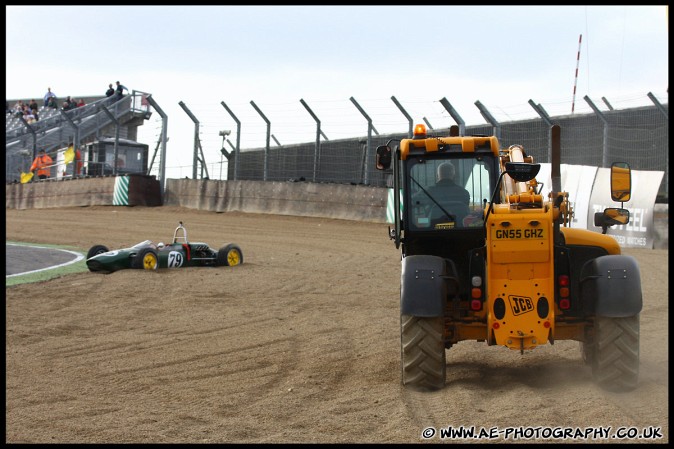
446	171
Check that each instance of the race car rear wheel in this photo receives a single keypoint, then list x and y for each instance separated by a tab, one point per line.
146	259
229	255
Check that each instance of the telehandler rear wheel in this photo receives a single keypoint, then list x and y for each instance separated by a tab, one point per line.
422	352
615	366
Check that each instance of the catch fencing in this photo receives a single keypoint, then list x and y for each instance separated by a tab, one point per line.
638	136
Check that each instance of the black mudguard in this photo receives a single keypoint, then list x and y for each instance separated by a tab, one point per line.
610	286
425	283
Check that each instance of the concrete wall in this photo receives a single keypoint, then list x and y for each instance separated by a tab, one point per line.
342	201
99	191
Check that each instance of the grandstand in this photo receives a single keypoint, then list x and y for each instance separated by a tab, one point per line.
99	120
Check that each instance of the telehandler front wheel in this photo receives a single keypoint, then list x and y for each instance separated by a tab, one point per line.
615	365
422	355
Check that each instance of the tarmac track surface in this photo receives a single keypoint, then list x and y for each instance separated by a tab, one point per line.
301	343
25	259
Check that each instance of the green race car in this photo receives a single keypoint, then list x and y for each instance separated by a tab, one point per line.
149	256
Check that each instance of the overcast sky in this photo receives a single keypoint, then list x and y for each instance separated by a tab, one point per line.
276	55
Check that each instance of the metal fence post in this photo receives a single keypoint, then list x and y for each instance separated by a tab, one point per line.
112	117
266	148
237	150
489	118
455	115
164	139
604	154
197	145
546	118
317	147
407	116
368	150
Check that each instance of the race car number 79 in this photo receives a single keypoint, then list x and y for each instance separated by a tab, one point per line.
175	259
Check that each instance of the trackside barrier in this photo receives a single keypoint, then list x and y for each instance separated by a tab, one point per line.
343	201
128	190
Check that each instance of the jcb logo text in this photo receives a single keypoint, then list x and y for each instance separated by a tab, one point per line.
520	304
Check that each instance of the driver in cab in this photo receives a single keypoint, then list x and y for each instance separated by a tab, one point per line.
445	189
443	205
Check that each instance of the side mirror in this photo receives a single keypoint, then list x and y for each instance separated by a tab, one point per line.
611	216
383	158
621	182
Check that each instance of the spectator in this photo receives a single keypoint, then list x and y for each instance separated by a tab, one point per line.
120	90
69	104
110	92
28	115
52	103
33	105
42	164
17	110
49	95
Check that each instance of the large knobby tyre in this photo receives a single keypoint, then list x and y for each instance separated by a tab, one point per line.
422	355
229	255
146	259
615	365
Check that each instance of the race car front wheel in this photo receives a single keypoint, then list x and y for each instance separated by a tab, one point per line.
146	259
229	255
95	250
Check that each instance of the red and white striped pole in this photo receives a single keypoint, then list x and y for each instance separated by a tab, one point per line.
575	81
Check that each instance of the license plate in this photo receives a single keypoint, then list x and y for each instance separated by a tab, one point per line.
518	234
